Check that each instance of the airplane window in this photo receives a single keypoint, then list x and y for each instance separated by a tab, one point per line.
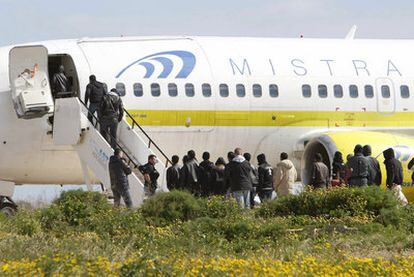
323	91
405	91
172	90
385	91
189	90
120	88
369	91
273	90
206	88
306	91
257	90
353	91
338	91
224	90
138	91
155	90
240	90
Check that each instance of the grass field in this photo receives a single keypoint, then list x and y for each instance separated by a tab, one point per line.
350	232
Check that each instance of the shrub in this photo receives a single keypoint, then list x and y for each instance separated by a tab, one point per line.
26	223
400	217
74	207
219	207
337	202
165	208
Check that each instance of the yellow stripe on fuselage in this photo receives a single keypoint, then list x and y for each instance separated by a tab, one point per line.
272	118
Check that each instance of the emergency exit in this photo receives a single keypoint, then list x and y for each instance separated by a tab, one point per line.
30	88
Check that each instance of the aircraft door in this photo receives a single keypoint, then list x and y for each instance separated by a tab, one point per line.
385	95
28	75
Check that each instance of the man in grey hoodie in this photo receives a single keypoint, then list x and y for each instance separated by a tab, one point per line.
238	174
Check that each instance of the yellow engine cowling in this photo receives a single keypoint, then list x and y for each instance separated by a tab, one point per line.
327	144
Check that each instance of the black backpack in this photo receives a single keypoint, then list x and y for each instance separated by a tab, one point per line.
109	108
97	92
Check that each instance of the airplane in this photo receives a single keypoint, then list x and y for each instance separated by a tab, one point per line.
266	95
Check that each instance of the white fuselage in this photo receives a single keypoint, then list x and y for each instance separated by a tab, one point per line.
214	123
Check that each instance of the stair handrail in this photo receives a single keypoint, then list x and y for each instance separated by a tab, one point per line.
134	122
130	160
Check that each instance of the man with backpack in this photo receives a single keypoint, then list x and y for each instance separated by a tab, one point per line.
359	168
94	93
112	112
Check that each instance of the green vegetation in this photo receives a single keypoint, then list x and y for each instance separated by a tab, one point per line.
174	227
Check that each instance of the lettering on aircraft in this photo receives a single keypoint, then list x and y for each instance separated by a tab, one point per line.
244	67
164	60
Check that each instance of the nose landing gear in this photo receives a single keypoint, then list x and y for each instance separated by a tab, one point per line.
7	206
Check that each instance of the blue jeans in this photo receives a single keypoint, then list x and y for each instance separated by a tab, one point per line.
243	198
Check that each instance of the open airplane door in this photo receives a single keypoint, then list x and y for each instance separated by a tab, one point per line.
28	74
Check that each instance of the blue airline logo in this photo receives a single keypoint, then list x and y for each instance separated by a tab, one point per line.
148	62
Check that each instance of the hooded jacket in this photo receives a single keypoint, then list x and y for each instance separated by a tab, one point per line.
393	167
238	174
359	167
375	175
265	176
285	176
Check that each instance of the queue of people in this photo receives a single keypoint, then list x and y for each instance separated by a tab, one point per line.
239	177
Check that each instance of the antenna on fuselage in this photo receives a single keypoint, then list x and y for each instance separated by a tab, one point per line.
351	33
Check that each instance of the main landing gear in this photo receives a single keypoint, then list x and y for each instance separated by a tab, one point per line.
7	206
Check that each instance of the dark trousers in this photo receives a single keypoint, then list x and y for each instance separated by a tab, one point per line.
93	108
126	196
109	129
265	195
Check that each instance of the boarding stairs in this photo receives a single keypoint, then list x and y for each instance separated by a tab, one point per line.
72	127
